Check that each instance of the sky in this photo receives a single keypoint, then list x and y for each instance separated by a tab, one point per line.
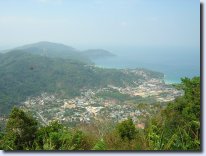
99	23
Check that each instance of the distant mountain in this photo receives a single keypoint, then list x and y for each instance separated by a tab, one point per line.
24	74
54	50
97	53
57	50
49	46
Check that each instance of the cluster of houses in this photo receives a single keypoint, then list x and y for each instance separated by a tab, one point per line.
155	88
89	107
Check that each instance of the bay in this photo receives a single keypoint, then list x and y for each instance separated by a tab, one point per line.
174	62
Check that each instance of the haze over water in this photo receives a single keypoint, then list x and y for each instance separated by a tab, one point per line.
143	33
173	62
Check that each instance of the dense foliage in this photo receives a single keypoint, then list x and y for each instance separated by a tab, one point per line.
20	131
176	127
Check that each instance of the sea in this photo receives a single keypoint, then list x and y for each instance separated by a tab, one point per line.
174	62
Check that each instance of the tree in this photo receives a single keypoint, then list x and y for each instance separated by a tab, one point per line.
100	145
177	127
1	139
126	129
49	137
20	130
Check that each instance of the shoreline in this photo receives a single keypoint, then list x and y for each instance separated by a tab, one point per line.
171	81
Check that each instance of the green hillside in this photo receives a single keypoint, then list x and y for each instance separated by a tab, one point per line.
54	50
58	50
24	74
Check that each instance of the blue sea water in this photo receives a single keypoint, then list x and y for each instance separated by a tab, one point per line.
175	63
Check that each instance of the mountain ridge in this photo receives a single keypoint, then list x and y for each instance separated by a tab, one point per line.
50	49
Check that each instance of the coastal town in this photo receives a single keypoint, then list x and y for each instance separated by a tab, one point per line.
91	106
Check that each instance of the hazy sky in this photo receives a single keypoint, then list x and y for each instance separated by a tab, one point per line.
96	23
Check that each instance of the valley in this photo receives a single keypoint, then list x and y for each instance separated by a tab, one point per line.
108	103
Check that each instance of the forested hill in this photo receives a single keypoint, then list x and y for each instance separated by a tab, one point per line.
57	50
53	50
24	74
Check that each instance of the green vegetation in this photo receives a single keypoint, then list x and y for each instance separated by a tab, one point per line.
20	131
24	74
114	94
178	86
126	129
53	50
176	127
100	145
